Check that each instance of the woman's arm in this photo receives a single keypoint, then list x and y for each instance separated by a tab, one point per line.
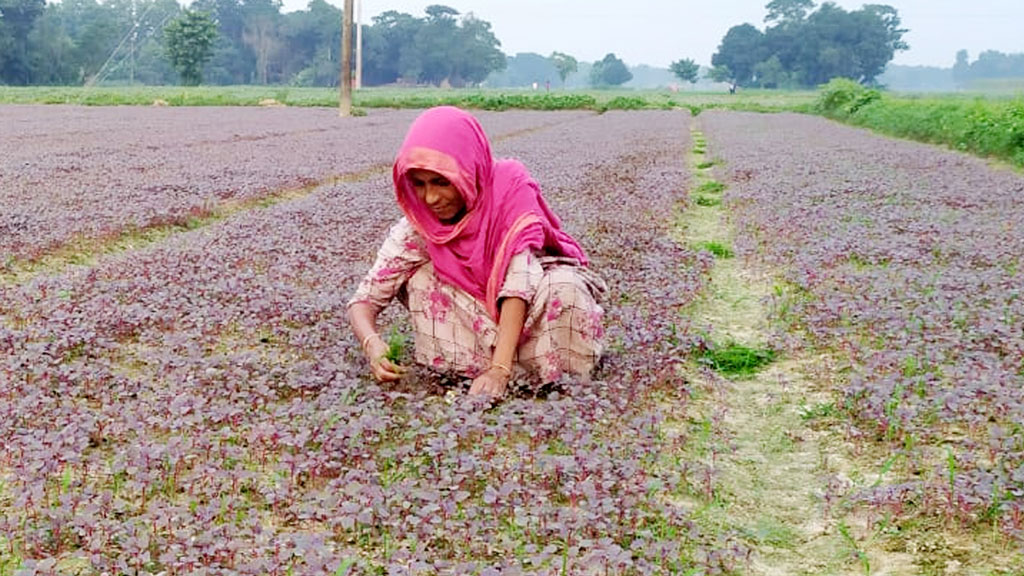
511	318
398	258
363	318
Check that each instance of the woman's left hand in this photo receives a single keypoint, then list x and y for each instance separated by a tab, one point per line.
493	382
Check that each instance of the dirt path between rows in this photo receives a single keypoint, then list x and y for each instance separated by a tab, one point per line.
776	473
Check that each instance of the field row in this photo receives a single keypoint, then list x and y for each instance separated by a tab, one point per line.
907	263
199	404
70	174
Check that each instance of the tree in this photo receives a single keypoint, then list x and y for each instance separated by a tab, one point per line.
6	48
771	74
435	45
880	39
686	70
17	17
388	50
962	69
312	39
740	50
610	71
565	64
476	52
856	45
720	73
439	49
51	49
261	34
523	69
807	49
232	62
188	40
788	11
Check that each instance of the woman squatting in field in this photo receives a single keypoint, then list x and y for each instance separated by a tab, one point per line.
492	283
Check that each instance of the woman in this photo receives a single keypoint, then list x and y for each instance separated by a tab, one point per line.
492	282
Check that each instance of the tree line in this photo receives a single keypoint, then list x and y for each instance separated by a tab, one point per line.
228	42
990	65
251	42
804	47
231	42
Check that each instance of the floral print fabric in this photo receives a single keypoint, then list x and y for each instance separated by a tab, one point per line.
454	333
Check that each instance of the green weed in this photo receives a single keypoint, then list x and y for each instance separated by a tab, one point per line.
398	344
344	567
854	548
711	187
707	201
732	359
819	411
717	248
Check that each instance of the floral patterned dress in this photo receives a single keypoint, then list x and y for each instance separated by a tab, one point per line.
563	332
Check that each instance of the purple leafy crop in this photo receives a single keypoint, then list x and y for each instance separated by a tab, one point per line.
908	263
199	405
73	173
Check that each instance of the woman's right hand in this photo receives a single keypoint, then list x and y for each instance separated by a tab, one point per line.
383	370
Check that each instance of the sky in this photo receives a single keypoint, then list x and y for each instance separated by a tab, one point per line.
658	32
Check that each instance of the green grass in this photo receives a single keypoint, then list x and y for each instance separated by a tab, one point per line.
707	201
717	248
418	97
732	359
981	127
818	411
711	187
989	127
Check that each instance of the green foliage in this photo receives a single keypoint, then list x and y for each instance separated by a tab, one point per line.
626	103
740	50
17	18
788	10
565	64
401	97
719	249
732	359
686	70
189	43
819	411
610	71
483	101
720	73
711	187
771	73
398	346
805	48
990	65
992	128
438	49
523	70
843	97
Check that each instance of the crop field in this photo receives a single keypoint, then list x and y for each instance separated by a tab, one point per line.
180	392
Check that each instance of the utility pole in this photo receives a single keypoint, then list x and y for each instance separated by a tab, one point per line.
345	100
359	44
135	32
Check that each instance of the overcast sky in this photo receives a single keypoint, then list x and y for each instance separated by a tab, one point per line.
658	32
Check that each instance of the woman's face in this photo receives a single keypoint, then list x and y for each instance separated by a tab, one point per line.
438	194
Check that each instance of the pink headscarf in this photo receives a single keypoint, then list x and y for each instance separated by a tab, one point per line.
505	212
